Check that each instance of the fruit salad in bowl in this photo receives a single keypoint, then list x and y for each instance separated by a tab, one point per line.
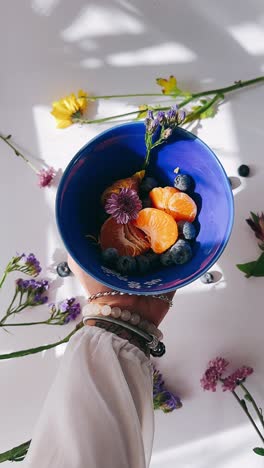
145	208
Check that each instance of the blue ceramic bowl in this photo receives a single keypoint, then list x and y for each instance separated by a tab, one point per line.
118	153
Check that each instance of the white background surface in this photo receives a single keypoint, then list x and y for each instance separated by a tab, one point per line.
52	47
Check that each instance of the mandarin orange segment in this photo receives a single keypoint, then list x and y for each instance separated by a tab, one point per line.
160	196
182	207
127	239
160	228
130	182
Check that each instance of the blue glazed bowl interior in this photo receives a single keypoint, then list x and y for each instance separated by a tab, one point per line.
118	153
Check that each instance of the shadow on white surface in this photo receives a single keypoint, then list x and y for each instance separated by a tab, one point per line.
116	46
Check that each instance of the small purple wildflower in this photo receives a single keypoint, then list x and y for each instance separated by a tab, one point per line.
168	401
162	398
32	265
161	117
46	176
123	206
69	309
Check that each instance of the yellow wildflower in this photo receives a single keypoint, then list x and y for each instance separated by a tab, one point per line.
69	107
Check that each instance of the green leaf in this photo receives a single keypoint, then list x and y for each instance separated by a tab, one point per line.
259	451
244	404
170	86
248	397
197	114
253	268
254	217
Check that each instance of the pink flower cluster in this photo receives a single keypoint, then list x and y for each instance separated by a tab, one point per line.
213	375
46	176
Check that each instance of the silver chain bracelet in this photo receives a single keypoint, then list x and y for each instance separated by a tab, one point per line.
156	347
161	297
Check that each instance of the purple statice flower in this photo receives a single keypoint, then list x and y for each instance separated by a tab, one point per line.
36	290
32	265
171	116
69	309
45	177
123	206
161	117
237	377
162	398
181	115
33	291
213	373
256	222
168	401
150	115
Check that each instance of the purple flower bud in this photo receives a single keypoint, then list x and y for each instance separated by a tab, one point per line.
161	117
150	115
181	116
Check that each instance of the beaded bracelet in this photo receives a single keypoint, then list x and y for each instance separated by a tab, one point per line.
161	297
123	315
156	347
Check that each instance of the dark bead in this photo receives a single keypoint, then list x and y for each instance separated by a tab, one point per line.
159	351
63	269
243	170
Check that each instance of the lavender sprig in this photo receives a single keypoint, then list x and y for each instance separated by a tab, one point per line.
165	123
28	293
27	264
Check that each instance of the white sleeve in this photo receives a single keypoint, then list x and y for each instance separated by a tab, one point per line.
99	411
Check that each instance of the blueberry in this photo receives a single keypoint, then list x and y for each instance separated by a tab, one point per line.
126	265
207	278
243	170
63	269
143	264
183	182
166	258
181	252
153	258
148	184
188	231
110	257
146	203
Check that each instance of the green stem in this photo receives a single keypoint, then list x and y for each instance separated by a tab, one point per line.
105	119
218	91
248	415
39	349
15	453
18	153
205	107
251	399
9	312
113	96
3	279
228	89
47	322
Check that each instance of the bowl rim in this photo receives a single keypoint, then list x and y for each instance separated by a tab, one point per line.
146	292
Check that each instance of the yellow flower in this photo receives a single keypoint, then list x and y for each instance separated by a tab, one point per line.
69	107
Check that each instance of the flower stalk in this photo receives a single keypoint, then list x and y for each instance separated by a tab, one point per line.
217	94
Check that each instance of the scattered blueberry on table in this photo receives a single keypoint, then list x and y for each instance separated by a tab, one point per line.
207	278
243	170
63	269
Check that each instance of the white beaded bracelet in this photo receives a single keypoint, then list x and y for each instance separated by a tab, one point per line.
124	315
